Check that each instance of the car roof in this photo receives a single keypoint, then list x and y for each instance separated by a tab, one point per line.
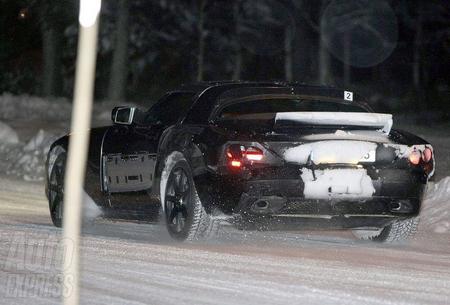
226	85
210	95
202	86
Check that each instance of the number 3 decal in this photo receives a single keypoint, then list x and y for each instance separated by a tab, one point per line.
348	96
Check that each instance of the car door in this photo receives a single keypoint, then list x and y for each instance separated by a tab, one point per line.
129	151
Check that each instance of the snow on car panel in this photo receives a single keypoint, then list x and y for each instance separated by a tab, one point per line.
358	135
327	152
378	120
337	183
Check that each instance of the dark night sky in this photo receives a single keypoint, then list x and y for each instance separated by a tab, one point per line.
380	40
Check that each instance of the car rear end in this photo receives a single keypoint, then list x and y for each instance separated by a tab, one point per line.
319	168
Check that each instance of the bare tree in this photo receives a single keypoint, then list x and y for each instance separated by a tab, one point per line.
288	53
417	60
347	58
201	39
237	65
119	70
52	41
417	17
324	56
305	11
52	65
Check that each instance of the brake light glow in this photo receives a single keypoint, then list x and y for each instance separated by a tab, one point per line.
235	163
238	155
427	155
415	157
253	154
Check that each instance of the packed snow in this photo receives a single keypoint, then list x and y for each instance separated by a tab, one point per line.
339	151
32	107
27	160
23	152
436	211
8	135
128	263
379	120
337	183
357	135
17	107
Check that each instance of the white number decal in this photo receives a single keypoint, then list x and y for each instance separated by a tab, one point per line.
348	96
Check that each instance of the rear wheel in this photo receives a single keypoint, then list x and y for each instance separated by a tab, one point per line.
399	230
186	219
56	187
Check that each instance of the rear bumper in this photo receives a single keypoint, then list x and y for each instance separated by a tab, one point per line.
296	213
398	194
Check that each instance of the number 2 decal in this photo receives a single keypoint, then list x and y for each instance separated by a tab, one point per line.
348	96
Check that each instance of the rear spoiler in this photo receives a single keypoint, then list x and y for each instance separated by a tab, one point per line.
380	121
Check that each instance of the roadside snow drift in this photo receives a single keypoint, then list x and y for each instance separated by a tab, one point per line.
33	107
23	156
25	107
435	213
7	134
26	160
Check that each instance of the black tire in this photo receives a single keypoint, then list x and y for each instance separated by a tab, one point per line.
56	187
399	230
184	214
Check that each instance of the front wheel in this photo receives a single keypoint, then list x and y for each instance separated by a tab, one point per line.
186	218
56	186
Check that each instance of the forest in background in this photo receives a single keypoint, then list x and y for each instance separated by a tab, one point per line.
395	52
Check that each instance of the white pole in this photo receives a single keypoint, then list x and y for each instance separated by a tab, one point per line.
78	147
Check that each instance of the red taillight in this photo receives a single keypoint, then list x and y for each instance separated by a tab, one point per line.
253	154
238	154
427	155
235	163
415	157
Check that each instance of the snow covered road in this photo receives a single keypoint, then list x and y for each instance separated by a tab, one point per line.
129	263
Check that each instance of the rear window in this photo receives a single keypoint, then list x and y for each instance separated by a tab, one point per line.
272	106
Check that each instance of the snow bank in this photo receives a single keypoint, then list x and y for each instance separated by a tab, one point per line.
340	151
337	183
27	160
31	107
8	135
435	213
16	107
379	120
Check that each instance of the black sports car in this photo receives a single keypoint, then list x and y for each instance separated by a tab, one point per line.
255	153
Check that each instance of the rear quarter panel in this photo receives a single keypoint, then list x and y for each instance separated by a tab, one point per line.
199	145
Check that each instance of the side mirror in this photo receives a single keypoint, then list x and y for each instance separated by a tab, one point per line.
123	115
